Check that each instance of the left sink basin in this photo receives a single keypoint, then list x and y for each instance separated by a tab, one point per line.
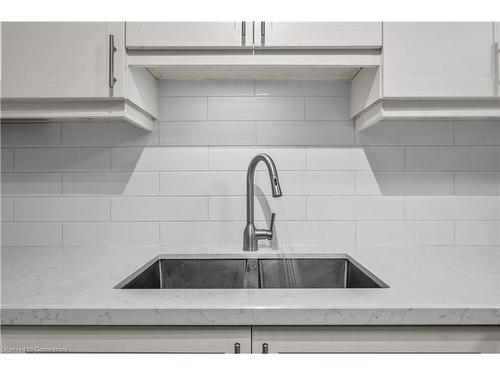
190	274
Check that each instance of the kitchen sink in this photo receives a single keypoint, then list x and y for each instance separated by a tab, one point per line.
251	273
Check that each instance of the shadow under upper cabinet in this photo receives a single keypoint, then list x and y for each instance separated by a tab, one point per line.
277	273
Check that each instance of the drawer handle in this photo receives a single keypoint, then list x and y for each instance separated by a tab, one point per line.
243	33
263	33
265	348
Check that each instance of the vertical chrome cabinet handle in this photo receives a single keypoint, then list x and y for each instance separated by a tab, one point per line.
243	33
263	33
265	348
112	50
497	62
237	348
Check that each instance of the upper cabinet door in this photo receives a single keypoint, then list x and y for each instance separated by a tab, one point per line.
318	35
188	35
59	59
438	59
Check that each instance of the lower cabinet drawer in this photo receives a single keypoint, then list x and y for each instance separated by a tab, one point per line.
256	339
380	339
159	339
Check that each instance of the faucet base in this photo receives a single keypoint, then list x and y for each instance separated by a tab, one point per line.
250	239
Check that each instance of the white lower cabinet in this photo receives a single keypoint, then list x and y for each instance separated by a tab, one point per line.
257	339
151	339
383	339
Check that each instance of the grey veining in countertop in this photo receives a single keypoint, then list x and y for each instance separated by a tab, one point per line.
75	286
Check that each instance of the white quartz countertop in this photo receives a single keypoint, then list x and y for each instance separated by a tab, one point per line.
75	286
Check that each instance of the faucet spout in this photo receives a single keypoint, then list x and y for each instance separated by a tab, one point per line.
252	234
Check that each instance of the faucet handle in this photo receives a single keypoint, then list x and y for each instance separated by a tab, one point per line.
271	227
270	232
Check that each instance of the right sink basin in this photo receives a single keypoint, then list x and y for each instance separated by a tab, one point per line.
314	273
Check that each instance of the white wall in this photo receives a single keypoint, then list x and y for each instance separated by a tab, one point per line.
183	185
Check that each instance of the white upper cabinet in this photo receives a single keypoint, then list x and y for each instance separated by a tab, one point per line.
439	59
318	35
58	60
73	70
230	35
188	35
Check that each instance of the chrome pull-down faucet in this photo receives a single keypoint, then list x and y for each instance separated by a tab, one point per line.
252	234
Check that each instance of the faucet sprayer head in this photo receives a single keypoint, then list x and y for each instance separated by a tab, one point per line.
275	187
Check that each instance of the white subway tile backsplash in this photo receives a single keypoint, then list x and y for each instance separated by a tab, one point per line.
311	233
481	132
355	158
450	158
31	183
404	232
355	208
110	133
209	87
230	233
256	108
61	209
301	88
31	135
196	234
311	182
404	183
309	133
7	209
452	208
182	109
477	183
207	133
111	183
233	208
111	234
31	234
202	183
408	133
159	158
158	208
327	108
7	159
61	159
238	158
486	233
107	183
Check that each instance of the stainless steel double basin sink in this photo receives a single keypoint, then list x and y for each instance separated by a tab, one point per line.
251	273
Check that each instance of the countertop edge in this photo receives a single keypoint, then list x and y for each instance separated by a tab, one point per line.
250	316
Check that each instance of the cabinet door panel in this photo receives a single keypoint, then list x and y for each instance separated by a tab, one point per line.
187	35
55	60
438	59
123	339
318	35
380	339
